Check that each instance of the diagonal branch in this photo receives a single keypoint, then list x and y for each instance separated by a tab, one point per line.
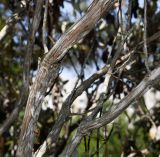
114	112
78	30
12	20
49	69
65	113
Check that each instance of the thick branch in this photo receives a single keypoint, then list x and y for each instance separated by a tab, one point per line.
27	62
49	71
80	29
64	114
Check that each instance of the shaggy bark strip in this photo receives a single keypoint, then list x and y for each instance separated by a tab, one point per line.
80	29
49	70
27	63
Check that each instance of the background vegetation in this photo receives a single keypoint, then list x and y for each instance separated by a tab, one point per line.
136	132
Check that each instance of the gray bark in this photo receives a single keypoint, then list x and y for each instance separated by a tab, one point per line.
49	69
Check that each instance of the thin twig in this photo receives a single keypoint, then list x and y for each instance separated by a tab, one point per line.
26	76
12	21
44	28
145	36
129	14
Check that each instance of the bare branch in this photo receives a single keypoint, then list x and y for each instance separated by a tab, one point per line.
13	116
129	14
114	112
145	36
65	112
12	21
44	29
49	69
80	29
30	46
26	74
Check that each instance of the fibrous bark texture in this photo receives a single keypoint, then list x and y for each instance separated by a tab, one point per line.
49	69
